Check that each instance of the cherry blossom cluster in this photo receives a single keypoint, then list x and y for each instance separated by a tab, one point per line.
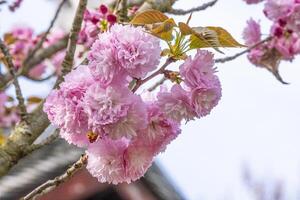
95	22
285	33
123	131
22	40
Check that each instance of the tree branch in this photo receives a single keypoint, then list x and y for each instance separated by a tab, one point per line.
159	71
51	184
158	83
199	8
47	141
37	59
11	68
161	5
42	40
71	48
229	58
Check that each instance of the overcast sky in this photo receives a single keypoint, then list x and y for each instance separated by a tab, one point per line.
255	124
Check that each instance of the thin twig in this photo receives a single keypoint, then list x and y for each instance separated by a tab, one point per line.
159	71
158	83
116	8
37	59
124	11
223	60
11	67
51	184
199	8
71	48
41	79
44	37
47	141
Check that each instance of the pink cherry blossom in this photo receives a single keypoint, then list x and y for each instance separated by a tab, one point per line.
204	99
95	22
136	51
160	130
252	33
115	112
103	64
288	47
199	70
176	104
278	9
106	160
118	161
64	106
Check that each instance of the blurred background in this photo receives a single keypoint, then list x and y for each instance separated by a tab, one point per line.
247	148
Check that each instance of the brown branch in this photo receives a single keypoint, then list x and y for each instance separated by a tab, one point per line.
116	8
11	68
45	142
40	79
199	8
42	40
51	184
161	5
124	11
229	58
22	136
71	48
159	71
157	84
37	59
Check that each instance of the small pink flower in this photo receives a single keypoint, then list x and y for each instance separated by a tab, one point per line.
255	55
204	99
199	70
135	51
176	104
278	9
252	33
118	161
115	112
64	106
106	160
103	64
159	132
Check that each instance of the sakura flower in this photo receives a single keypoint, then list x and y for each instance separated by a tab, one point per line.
198	71
204	99
176	104
288	47
106	160
103	64
160	130
64	106
138	159
115	112
278	9
95	22
136	51
117	161
252	33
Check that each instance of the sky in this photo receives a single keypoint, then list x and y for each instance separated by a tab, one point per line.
256	123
